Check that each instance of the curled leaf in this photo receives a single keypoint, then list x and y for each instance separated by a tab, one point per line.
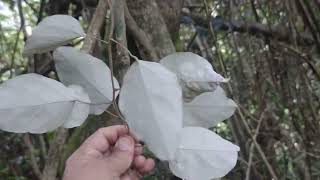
52	32
151	102
208	109
36	104
202	154
75	67
195	73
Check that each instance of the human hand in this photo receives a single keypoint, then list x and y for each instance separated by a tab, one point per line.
109	154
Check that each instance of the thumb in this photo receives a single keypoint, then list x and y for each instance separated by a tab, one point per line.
122	155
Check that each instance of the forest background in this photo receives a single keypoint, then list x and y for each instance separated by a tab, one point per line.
270	50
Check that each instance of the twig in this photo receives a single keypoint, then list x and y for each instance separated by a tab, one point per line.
98	39
5	69
22	20
259	149
252	146
303	56
43	146
22	28
277	32
125	48
114	115
251	151
40	14
31	6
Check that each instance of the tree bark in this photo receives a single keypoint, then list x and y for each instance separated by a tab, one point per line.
148	17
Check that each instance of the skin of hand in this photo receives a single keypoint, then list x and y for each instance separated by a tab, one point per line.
111	153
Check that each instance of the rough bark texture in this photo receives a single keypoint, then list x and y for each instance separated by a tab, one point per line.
141	38
171	11
148	17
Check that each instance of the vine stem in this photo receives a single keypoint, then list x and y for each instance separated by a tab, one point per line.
122	46
115	41
101	40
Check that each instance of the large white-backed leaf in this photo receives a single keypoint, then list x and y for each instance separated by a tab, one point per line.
151	101
36	104
80	110
204	155
75	67
208	109
195	73
52	32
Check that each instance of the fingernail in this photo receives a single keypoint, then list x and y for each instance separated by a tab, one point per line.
124	144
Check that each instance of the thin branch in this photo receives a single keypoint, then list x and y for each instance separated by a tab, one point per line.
126	49
276	32
112	114
258	147
43	146
41	10
252	146
31	6
5	69
34	163
306	57
305	15
251	152
254	10
22	28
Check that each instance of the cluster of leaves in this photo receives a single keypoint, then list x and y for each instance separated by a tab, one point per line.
169	105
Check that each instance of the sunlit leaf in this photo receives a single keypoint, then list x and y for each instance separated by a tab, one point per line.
151	102
52	32
75	67
202	154
208	109
36	104
195	73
